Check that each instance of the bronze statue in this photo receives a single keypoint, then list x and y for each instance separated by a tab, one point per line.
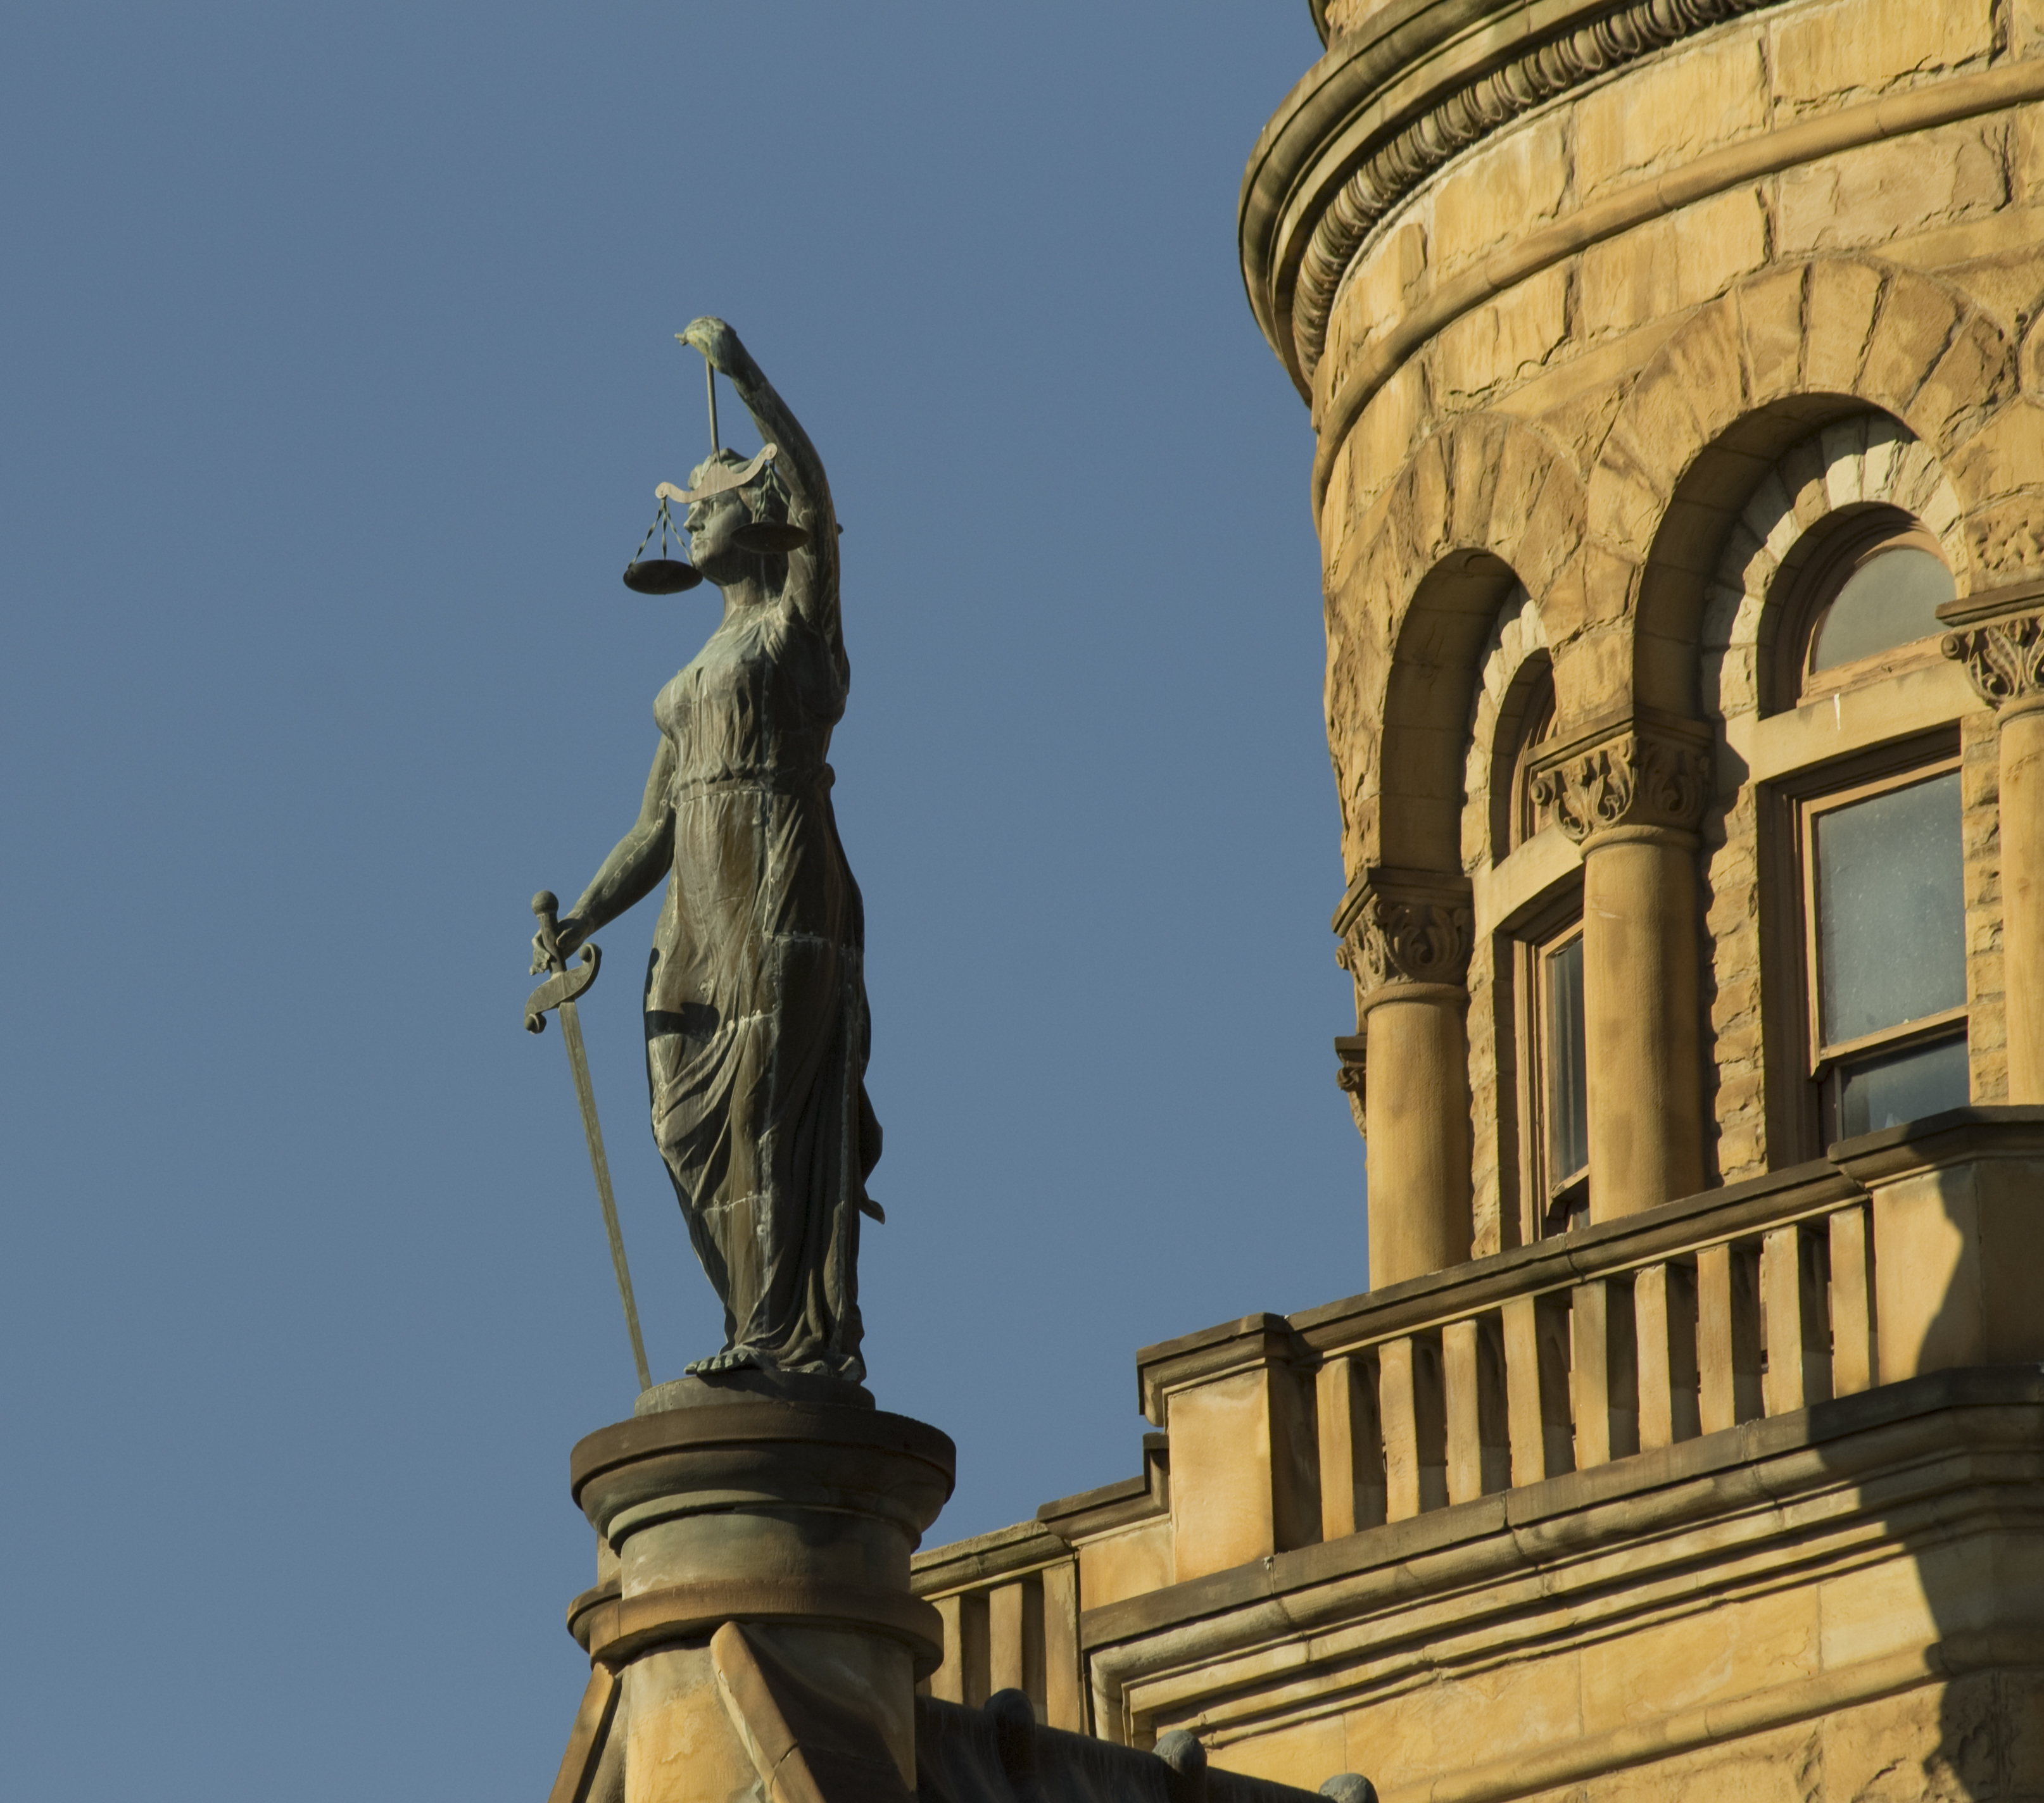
756	1029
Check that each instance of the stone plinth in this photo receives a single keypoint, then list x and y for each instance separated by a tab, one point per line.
758	1629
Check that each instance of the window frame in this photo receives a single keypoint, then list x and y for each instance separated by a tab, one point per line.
1812	1066
1548	1206
1817	579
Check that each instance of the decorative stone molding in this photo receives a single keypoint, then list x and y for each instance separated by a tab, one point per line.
1406	926
2004	659
1634	774
1351	1049
1396	168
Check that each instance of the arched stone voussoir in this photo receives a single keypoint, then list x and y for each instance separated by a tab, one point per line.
1483	483
1832	331
1484	502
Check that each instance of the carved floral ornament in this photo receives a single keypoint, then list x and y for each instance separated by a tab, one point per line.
1407	933
2004	659
1635	777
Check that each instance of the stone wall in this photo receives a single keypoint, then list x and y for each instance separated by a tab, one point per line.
1596	404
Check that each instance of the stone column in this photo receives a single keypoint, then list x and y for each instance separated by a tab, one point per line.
759	1623
1405	938
1630	794
2005	660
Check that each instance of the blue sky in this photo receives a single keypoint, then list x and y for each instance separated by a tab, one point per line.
338	371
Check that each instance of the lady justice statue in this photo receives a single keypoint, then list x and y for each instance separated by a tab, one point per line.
756	1029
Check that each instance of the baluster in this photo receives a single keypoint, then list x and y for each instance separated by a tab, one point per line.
1536	1373
1663	1302
1064	1696
1855	1359
1728	1336
962	1677
1351	1447
1479	1456
1795	1321
1014	1640
1411	1409
1607	1371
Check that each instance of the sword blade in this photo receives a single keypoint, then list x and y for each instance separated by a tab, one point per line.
586	1097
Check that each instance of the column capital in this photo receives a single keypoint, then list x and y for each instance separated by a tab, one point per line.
2004	659
1406	926
1632	770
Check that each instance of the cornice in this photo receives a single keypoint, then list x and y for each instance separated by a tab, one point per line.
1391	102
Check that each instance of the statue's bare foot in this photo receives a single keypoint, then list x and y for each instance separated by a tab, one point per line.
736	1358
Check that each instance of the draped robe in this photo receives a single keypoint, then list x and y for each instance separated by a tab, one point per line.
756	1028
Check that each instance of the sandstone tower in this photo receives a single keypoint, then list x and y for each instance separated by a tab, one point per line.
1675	374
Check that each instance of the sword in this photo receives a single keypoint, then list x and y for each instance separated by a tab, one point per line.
559	992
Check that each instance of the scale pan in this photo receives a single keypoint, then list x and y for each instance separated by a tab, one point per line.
773	537
661	576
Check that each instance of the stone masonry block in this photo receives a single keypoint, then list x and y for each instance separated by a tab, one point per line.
1840	300
1471	452
1820	55
1379	291
1671	263
1666	110
1513	182
1383	437
1918	319
1964	385
1754	1642
1626	501
1553	534
2005	457
1503	342
1593	674
1527	469
1770	311
1874	193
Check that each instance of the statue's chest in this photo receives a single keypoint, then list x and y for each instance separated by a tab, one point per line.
730	685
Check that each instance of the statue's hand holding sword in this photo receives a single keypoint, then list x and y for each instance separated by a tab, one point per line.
559	993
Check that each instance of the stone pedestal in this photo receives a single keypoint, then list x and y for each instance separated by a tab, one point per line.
758	1628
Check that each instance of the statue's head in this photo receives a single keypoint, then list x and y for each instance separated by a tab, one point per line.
717	523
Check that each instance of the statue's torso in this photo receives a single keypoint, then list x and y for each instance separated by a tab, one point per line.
756	856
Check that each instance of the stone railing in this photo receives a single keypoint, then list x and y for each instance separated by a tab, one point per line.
1916	1249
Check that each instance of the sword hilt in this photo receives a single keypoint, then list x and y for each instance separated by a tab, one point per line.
545	904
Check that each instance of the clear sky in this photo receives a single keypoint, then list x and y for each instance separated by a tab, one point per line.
338	371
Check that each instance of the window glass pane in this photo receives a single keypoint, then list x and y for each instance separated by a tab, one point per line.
1888	600
1903	1086
1568	1118
1891	909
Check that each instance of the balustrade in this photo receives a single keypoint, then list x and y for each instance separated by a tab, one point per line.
1607	1343
1912	1250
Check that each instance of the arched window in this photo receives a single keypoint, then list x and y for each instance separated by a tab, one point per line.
1874	842
1866	599
1546	974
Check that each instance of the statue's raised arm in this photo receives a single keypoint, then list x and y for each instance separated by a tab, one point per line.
812	567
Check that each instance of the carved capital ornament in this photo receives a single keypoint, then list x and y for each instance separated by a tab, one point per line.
1406	927
1634	776
2004	659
